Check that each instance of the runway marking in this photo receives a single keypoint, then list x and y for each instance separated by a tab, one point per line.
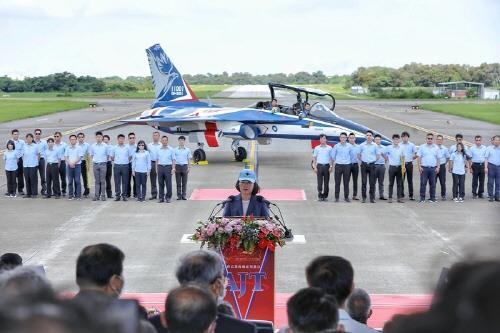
297	239
82	128
404	123
65	233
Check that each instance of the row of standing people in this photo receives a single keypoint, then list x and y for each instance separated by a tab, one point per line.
347	158
63	166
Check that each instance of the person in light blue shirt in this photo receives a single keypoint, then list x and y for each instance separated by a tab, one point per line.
492	168
109	166
10	157
183	166
31	154
459	138
444	155
428	165
53	159
380	166
153	151
121	157
368	154
457	166
42	147
341	157
141	167
84	146
476	166
61	146
73	156
19	144
354	165
131	189
166	168
322	166
394	155
410	153
99	155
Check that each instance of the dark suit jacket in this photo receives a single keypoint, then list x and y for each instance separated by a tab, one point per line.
225	324
256	207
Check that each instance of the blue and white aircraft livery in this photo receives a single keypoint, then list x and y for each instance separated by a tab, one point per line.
177	110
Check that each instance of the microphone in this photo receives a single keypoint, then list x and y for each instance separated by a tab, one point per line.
221	204
281	221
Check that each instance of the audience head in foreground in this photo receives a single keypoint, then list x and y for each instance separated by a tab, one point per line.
359	305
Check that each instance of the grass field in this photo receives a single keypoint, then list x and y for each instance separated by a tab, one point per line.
488	112
20	109
337	91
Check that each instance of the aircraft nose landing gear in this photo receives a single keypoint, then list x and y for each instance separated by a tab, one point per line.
199	154
240	153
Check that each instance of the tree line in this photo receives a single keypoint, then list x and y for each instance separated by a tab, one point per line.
375	78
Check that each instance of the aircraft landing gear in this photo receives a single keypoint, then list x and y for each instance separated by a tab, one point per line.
199	154
240	153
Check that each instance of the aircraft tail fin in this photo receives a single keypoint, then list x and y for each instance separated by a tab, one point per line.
167	80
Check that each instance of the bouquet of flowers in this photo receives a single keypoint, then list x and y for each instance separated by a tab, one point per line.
246	233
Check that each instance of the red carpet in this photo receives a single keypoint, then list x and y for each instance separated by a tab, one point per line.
384	306
219	194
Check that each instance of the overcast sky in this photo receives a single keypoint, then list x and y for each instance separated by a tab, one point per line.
108	37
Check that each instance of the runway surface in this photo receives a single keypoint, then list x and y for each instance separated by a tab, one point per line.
394	248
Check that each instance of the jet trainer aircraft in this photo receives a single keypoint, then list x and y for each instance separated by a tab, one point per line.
177	110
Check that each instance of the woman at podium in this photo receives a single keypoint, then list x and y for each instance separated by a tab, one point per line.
247	203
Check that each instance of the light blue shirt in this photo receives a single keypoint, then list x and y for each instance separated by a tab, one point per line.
493	155
444	154
166	156
42	147
428	155
322	154
53	155
368	152
72	153
380	152
85	148
19	146
141	162
121	154
453	148
61	148
354	153
99	152
132	149
153	150
409	150
458	163
182	156
341	153
10	157
394	154
30	155
477	154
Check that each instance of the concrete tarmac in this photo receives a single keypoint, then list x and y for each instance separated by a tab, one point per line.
395	248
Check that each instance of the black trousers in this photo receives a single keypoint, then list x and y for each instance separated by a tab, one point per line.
342	171
409	178
152	178
323	178
41	172
62	175
85	178
131	179
165	180
31	179
478	177
458	185
380	176
354	174
368	174
121	180
441	177
109	174
141	180
20	175
428	175
181	178
395	173
11	181
53	186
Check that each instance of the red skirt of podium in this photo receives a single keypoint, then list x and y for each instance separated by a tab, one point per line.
250	283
